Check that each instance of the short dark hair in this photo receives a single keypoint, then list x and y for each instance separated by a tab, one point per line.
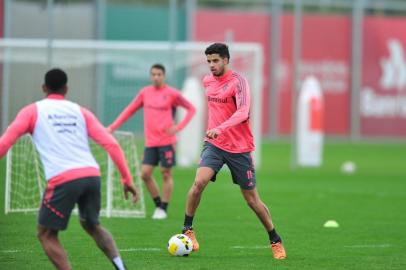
159	66
55	80
218	48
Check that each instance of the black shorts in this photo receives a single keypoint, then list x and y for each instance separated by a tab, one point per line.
240	165
59	201
161	154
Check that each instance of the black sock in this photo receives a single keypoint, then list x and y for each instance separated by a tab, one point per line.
274	237
157	201
164	206
187	225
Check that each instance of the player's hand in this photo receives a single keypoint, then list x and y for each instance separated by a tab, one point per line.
130	188
171	131
109	130
212	134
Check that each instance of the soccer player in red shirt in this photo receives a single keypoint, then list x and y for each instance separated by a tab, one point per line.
228	141
159	101
60	131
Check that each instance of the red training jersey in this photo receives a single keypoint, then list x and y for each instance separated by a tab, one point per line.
158	104
228	99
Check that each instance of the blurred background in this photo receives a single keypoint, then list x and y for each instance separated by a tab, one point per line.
356	49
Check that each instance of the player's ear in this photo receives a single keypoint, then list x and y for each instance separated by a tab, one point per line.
44	89
64	89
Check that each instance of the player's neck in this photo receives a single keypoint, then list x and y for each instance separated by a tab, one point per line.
158	87
55	96
225	72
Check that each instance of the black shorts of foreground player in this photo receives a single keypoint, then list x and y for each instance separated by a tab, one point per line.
228	141
72	174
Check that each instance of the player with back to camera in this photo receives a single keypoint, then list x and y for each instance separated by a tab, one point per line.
159	101
228	141
60	131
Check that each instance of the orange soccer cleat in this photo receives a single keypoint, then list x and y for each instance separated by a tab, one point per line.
191	234
278	251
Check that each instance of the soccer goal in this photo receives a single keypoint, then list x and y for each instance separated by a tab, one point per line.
25	181
106	75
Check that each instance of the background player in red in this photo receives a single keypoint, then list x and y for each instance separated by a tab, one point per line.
60	130
159	101
228	141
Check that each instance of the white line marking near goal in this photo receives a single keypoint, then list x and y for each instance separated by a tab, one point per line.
249	247
370	246
15	251
139	249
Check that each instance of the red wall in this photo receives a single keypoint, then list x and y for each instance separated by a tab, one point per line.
383	93
325	40
326	53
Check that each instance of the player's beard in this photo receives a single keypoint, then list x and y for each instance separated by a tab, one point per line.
219	72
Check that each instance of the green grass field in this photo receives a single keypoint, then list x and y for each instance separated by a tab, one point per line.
369	206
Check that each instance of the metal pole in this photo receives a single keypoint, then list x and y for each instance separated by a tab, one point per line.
274	60
100	19
6	70
50	29
297	40
100	69
190	21
173	6
356	59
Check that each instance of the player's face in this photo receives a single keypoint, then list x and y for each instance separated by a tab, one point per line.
157	77
217	64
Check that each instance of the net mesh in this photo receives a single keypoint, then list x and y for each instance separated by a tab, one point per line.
25	181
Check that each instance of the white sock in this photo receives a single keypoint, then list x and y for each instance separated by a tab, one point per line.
118	262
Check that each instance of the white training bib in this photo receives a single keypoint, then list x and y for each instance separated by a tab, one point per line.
60	136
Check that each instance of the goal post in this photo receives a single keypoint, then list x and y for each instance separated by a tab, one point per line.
25	180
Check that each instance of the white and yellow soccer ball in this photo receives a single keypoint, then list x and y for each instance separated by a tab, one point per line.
180	245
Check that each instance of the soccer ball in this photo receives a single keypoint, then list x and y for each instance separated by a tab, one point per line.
180	245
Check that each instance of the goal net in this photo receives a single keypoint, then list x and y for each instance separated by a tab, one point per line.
106	75
25	181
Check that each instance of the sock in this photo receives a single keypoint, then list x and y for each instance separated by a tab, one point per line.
187	225
274	237
118	263
164	206
157	201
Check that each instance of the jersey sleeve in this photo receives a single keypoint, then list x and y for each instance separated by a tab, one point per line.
22	124
99	134
129	111
243	99
191	110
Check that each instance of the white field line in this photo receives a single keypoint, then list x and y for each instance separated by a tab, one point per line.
370	246
249	247
149	249
141	249
15	251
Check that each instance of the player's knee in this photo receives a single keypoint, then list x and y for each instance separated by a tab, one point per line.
45	234
166	175
146	176
198	187
252	202
88	227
